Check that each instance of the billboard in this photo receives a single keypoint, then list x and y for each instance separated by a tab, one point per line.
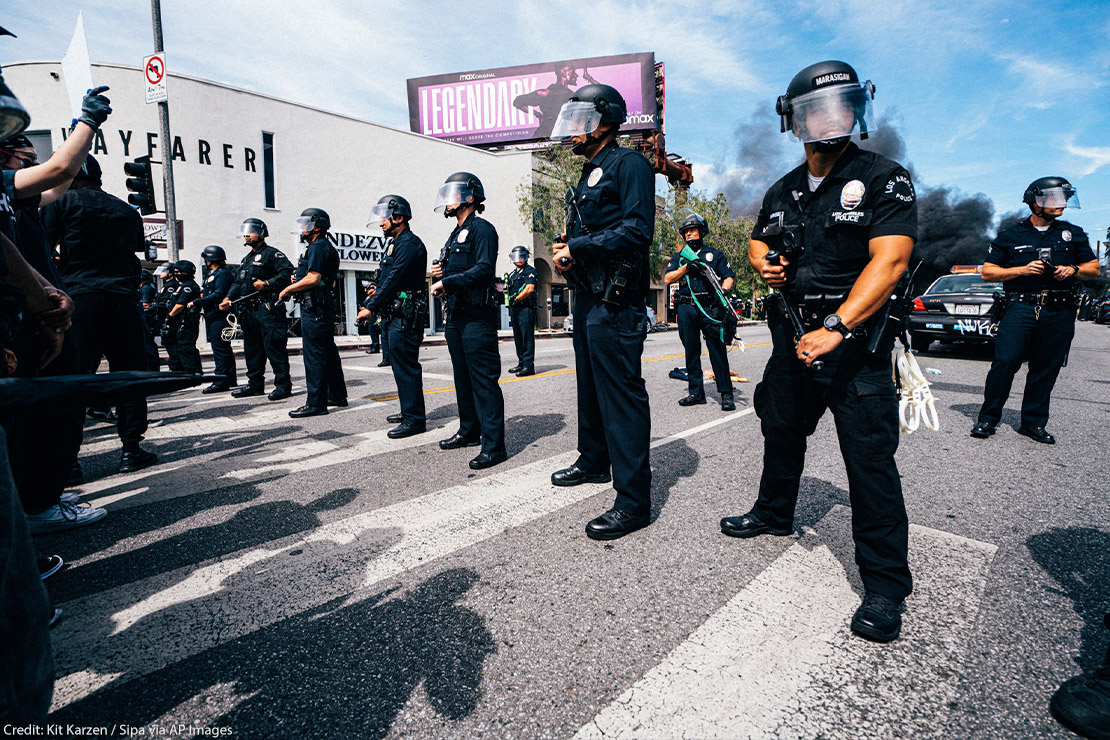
493	107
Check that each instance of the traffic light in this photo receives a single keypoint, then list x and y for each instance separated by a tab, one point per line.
141	185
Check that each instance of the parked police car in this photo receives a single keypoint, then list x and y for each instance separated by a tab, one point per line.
955	308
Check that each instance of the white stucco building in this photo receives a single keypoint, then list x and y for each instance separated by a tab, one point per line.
238	154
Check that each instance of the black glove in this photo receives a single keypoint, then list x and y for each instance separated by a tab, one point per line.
95	107
695	268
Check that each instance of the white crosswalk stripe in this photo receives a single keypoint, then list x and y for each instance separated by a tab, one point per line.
778	661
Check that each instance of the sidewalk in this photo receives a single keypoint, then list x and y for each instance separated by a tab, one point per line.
430	340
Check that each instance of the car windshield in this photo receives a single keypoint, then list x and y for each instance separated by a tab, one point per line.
970	283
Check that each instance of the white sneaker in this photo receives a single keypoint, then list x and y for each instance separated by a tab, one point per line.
63	516
69	497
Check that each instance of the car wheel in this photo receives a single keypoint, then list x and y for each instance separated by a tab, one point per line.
920	342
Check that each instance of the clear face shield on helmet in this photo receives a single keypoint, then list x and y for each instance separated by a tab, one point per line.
452	195
576	118
249	229
1060	197
687	218
833	112
380	212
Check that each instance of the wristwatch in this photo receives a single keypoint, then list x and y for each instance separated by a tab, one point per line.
832	322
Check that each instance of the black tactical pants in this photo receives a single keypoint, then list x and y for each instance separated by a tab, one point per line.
323	372
614	417
222	354
471	335
44	444
169	343
111	325
265	337
1045	341
405	342
153	361
187	335
691	326
860	392
524	334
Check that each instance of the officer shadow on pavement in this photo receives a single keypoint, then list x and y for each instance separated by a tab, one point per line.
524	431
447	411
135	521
1078	558
1010	417
816	500
670	463
250	527
330	671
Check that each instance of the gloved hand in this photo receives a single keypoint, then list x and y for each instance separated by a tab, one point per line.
695	268
95	107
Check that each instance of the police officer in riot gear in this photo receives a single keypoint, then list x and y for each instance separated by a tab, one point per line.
604	254
1040	262
187	330
465	276
401	302
700	312
835	235
262	274
212	294
521	296
147	296
315	284
167	327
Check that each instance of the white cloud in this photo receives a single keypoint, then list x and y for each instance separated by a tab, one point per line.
1097	156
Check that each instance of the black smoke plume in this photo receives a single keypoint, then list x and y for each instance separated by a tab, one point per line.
953	228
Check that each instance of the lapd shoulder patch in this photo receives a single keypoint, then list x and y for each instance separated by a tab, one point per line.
851	195
594	178
900	188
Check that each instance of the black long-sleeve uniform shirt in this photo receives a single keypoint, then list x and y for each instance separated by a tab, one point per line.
406	272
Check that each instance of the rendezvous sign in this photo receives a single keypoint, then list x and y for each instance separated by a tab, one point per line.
154	69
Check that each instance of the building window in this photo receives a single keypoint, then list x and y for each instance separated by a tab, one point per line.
40	140
268	168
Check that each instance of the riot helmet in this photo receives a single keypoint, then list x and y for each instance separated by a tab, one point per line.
458	190
386	208
185	267
254	227
588	108
312	219
13	116
825	104
145	276
213	253
519	254
1051	192
688	218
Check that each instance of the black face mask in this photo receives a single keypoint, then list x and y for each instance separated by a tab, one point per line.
831	146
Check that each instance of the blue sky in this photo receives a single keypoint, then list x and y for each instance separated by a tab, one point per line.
986	96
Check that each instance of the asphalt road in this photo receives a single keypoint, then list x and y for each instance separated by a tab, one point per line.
287	578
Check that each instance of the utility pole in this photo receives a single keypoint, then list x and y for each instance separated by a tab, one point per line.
167	147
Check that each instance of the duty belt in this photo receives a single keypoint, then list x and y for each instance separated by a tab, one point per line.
1045	298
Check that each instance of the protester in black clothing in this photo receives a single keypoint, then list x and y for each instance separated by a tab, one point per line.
188	330
315	284
44	446
98	236
263	272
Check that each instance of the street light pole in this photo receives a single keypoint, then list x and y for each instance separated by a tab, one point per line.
167	147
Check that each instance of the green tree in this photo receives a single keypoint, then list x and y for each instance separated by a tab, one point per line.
542	206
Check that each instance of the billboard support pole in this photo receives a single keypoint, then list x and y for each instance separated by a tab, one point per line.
167	159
